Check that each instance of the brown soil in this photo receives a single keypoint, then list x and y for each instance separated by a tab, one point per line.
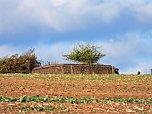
30	87
90	108
78	88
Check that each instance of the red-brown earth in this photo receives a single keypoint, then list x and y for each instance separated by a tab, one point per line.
76	86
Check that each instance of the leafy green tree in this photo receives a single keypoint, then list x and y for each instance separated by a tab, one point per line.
85	54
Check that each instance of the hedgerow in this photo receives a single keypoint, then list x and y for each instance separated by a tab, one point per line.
16	63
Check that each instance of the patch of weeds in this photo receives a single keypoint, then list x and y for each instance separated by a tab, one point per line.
7	99
50	108
127	100
54	99
95	100
26	107
22	99
2	99
39	108
85	100
35	98
61	107
72	100
46	98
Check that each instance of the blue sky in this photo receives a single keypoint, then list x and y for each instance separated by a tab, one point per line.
123	29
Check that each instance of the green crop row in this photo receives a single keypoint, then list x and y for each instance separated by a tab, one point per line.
48	99
27	107
72	100
128	100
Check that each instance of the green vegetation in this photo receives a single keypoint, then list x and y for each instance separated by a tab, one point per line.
39	108
24	104
24	63
72	100
85	54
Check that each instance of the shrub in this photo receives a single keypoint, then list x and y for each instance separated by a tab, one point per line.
24	63
85	54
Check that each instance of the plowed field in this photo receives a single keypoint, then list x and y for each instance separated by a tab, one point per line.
77	86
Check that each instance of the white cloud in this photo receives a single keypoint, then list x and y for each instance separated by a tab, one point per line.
63	15
142	10
53	52
122	45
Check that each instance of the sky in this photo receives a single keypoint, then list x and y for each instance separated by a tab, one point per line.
123	28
